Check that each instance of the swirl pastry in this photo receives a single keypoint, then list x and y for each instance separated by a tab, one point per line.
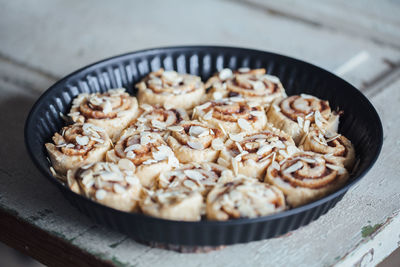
334	146
147	151
167	87
158	119
295	114
173	204
200	177
112	110
76	145
193	141
305	177
250	154
243	197
110	184
253	84
232	115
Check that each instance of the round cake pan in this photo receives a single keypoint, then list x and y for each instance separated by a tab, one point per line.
359	122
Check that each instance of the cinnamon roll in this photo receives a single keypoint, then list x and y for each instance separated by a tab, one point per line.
305	177
297	113
200	177
112	110
193	141
173	204
147	151
76	145
253	84
157	118
243	197
167	87
250	154
334	146
232	115
110	184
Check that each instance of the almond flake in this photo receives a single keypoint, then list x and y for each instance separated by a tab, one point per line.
236	137
119	189
244	124
195	145
291	150
130	155
132	180
337	168
258	85
100	194
257	113
208	115
197	131
264	149
243	70
126	164
217	95
225	74
306	127
107	107
239	147
278	109
132	147
217	144
283	153
149	161
309	115
176	128
333	138
204	106
235	166
82	140
275	165
190	184
193	174
308	160
295	167
300	121
272	78
146	107
305	96
158	124
222	128
159	155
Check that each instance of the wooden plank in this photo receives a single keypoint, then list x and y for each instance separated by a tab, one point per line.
26	194
377	21
64	36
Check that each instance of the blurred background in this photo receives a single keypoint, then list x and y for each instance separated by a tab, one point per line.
44	40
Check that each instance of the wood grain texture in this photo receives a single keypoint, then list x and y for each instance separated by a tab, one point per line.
40	44
57	37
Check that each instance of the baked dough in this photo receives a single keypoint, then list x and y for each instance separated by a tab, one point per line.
297	113
243	197
200	177
173	204
334	146
252	84
250	154
112	110
156	118
232	115
171	88
76	145
193	141
305	177
110	184
147	151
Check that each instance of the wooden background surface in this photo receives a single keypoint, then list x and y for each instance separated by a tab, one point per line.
43	40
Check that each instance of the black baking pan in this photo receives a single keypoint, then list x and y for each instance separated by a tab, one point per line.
359	122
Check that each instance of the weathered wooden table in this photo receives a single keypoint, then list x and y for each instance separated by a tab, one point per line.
42	41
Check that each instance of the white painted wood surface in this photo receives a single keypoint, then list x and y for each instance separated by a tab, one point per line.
39	43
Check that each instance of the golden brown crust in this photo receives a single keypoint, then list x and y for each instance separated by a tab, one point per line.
305	177
112	110
243	197
166	87
232	115
76	145
113	185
